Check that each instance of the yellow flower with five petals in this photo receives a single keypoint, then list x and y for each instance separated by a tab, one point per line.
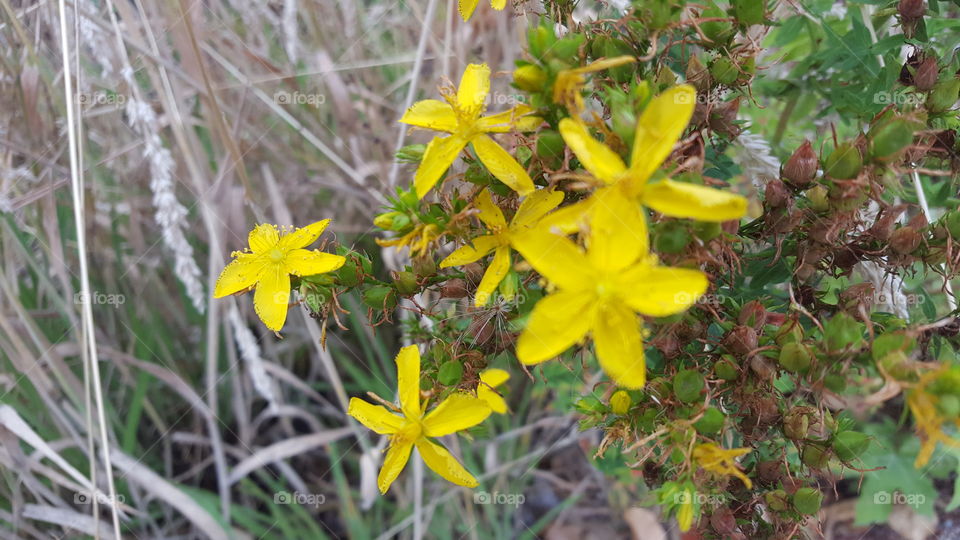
273	256
461	117
660	126
466	7
410	425
721	461
531	210
600	292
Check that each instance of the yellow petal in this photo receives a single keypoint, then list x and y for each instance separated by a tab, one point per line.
498	4
489	213
659	128
309	262
466	8
616	336
241	274
535	206
441	152
431	114
394	462
443	463
473	90
498	269
618	231
517	118
272	297
661	291
600	65
680	199
556	258
456	413
569	219
490	379
558	322
408	380
263	237
602	162
471	251
685	513
304	236
502	165
375	417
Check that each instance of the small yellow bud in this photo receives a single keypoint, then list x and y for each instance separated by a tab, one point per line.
530	78
385	220
620	402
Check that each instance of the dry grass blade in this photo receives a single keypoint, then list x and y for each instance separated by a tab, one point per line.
285	449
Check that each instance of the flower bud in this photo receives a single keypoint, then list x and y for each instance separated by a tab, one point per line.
789	332
814	456
799	421
850	445
620	402
550	148
911	10
687	385
710	423
741	341
807	500
943	96
530	78
725	369
777	500
776	194
801	168
385	220
844	162
724	71
818	197
697	74
509	286
406	283
380	297
752	314
749	12
927	73
905	240
455	288
795	358
890	140
424	266
842	332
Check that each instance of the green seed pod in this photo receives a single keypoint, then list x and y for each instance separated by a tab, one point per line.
890	140
835	383
530	78
896	364
807	500
315	297
567	48
589	405
814	456
349	274
842	332
949	406
850	445
406	283
724	71
665	77
671	237
697	74
889	342
795	358
424	266
510	285
819	201
749	12
790	331
380	297
687	385
540	39
614	48
725	369
844	162
710	423
952	221
707	230
450	372
716	32
944	94
777	500
620	402
796	423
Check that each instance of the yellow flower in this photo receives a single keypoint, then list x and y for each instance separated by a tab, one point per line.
418	239
413	426
717	460
928	419
569	82
620	402
273	256
687	508
490	379
461	117
467	7
600	292
658	129
531	210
